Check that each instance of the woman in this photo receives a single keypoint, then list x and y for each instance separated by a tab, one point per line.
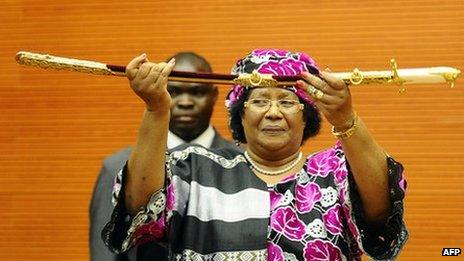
269	203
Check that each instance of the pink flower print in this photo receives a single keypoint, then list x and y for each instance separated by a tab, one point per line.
353	228
154	229
340	175
306	59
285	221
319	250
170	198
274	252
283	67
270	52
157	228
332	220
401	183
306	196
234	95
276	198
322	163
342	195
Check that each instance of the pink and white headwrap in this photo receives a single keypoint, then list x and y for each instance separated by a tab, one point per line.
275	62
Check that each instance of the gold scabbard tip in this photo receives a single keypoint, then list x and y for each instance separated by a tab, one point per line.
46	61
26	58
19	55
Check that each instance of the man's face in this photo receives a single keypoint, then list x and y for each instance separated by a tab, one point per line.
192	105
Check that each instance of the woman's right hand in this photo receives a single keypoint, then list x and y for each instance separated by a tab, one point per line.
149	81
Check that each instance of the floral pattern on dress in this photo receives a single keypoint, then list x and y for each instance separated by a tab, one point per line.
323	201
332	220
307	196
285	221
322	164
316	229
274	252
321	250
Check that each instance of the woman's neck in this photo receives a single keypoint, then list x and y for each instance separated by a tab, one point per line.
273	171
272	160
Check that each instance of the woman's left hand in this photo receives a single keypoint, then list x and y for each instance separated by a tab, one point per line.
335	103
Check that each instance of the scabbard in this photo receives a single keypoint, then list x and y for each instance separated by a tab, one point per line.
396	76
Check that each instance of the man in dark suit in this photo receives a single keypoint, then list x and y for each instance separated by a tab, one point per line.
191	110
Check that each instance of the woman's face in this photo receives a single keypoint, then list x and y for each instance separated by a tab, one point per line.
277	129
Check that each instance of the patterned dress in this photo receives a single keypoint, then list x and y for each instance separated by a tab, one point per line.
213	207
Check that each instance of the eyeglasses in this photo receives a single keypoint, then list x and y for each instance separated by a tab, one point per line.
285	106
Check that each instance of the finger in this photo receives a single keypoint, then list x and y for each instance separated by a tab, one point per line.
312	91
332	80
330	100
134	63
131	68
163	75
317	82
145	69
154	73
306	88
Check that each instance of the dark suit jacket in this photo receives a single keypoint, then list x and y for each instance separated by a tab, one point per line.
101	207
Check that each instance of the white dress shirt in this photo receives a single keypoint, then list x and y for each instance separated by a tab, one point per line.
205	139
